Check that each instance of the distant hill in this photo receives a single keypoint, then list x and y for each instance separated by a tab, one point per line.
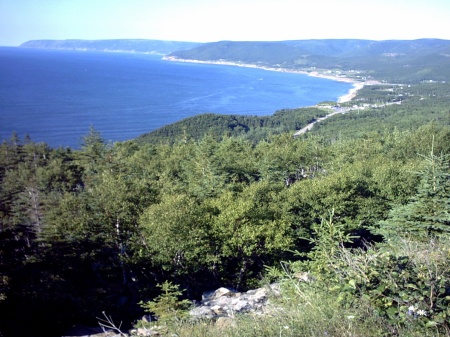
264	53
254	128
406	61
118	45
390	60
358	48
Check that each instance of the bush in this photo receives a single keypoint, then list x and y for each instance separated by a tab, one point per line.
167	306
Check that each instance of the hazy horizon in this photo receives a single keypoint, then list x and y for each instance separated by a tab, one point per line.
217	20
111	39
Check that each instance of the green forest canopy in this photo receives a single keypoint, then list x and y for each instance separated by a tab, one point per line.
210	202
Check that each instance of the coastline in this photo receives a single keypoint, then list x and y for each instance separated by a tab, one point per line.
351	93
357	85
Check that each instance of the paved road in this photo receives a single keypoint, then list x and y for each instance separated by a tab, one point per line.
310	125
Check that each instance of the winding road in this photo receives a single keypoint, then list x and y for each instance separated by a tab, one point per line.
310	125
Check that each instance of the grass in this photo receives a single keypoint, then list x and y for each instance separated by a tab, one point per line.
311	313
313	309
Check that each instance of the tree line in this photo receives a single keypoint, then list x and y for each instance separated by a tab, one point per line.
97	229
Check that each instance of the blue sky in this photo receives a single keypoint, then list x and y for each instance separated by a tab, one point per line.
214	20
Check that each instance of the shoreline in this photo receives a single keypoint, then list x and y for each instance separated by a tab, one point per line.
351	93
357	85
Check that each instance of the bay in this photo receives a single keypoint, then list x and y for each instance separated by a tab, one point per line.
56	96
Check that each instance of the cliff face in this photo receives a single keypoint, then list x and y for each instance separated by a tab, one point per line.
119	45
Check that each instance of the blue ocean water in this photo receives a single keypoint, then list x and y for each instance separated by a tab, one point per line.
55	96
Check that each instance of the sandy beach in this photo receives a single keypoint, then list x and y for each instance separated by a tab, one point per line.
344	98
352	92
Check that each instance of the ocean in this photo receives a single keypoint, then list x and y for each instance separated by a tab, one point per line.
56	96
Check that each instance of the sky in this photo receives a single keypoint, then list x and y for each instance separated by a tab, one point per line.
216	20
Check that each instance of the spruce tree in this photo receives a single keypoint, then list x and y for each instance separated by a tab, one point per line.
428	212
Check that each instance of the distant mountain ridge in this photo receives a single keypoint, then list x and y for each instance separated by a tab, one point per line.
356	47
115	45
344	48
390	60
407	61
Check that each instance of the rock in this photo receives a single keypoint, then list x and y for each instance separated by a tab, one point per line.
241	305
144	332
275	289
202	311
217	309
222	301
259	296
225	302
220	305
222	292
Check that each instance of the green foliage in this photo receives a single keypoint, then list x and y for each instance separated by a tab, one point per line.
290	316
249	230
265	53
253	128
427	214
407	284
327	238
414	113
384	60
95	229
175	235
167	306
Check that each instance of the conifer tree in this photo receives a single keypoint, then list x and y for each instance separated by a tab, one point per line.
428	212
92	154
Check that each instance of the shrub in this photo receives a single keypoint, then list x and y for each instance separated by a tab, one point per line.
167	306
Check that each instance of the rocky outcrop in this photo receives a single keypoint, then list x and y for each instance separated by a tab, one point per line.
226	302
223	304
220	305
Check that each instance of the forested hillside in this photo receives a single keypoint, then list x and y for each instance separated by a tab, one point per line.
376	107
253	128
97	229
397	61
361	203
